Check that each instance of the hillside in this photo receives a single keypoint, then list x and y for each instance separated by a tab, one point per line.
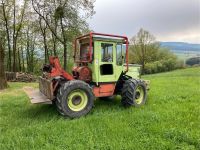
183	50
169	120
181	46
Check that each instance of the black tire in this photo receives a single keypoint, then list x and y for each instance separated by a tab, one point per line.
63	100
130	95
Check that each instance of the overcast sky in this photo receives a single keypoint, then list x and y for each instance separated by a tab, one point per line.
168	20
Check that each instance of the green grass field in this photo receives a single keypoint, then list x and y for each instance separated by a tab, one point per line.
169	120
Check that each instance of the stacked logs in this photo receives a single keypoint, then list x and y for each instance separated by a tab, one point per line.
20	77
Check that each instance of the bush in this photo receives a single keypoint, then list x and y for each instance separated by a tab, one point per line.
193	61
165	61
163	65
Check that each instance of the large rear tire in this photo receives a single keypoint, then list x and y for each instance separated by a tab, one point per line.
134	93
74	99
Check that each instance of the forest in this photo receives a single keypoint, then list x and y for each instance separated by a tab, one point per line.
33	30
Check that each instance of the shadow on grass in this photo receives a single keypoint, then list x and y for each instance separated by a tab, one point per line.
107	102
46	112
40	111
108	105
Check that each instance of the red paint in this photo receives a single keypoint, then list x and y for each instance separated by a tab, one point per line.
104	90
90	48
82	73
57	69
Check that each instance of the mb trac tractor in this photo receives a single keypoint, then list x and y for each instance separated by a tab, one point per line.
100	70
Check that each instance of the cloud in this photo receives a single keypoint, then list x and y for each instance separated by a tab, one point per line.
169	20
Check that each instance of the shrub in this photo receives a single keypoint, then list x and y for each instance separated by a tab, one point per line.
193	61
162	66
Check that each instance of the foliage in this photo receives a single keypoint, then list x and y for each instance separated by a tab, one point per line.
169	120
193	61
144	47
146	51
37	29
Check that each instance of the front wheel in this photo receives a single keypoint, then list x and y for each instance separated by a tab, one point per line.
134	93
74	99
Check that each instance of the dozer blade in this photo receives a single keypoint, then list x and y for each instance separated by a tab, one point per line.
36	96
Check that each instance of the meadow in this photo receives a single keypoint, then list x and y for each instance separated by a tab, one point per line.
169	120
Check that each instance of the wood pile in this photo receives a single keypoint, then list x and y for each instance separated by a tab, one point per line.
20	77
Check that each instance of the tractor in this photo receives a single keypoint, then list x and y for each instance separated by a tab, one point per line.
101	70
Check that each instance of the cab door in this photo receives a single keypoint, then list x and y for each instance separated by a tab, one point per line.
107	62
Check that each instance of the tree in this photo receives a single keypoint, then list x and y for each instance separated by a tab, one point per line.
13	17
38	28
144	48
61	16
16	30
5	17
43	28
146	51
3	82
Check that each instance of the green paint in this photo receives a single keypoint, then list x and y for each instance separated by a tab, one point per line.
77	100
134	71
97	63
139	95
117	63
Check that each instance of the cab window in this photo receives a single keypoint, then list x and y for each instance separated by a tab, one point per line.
119	54
106	52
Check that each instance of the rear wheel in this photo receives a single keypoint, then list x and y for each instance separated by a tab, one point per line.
134	93
74	99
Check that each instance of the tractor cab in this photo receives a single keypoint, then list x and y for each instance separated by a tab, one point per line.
103	56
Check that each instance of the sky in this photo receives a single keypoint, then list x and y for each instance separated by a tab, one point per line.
167	20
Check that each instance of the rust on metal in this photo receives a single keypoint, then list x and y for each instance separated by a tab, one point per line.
46	87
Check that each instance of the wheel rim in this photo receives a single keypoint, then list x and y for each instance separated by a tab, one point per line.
77	100
139	95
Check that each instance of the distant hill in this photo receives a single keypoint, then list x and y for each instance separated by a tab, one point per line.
181	46
183	50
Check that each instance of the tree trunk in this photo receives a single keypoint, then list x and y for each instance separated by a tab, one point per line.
64	44
27	55
23	67
44	35
19	60
14	41
54	44
65	56
14	57
32	54
3	81
8	37
45	47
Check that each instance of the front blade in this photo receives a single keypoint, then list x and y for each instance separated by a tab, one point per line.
36	96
